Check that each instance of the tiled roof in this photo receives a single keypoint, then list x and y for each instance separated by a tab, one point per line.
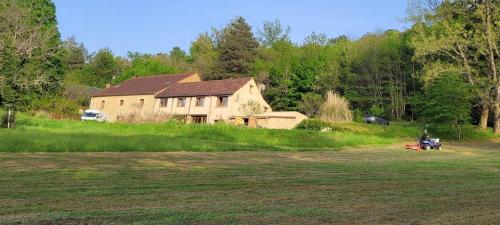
204	88
143	85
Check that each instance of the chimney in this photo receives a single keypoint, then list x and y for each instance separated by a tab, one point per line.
108	85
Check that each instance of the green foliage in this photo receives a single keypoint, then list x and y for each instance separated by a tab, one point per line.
447	101
376	78
103	68
39	134
177	54
63	135
313	124
204	56
459	37
251	107
80	94
30	56
376	110
277	62
146	65
316	39
238	48
75	54
57	107
273	32
310	104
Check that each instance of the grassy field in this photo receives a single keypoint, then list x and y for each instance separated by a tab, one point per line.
383	185
34	134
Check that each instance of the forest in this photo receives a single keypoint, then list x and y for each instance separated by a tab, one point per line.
443	69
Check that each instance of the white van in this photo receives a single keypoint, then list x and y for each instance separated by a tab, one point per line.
93	115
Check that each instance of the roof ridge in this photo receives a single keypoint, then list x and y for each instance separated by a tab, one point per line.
162	75
229	79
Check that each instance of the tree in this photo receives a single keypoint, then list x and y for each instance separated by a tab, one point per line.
75	54
278	63
375	73
273	32
30	51
178	55
447	100
487	38
237	49
316	39
460	36
310	104
147	65
104	68
251	108
204	56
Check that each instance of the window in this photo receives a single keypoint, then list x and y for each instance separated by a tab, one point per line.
222	101
200	102
102	104
199	119
141	103
181	102
121	102
163	102
251	88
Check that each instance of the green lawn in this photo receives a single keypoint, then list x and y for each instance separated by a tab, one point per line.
43	135
381	185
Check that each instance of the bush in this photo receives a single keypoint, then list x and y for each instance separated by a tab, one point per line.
313	124
57	107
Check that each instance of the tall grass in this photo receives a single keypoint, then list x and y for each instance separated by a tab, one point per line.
335	109
45	135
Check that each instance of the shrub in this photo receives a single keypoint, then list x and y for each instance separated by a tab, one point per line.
79	93
313	124
335	109
310	104
57	107
252	107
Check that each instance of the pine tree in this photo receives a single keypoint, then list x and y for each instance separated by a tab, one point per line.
238	48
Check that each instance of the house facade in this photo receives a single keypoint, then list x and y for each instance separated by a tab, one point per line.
186	95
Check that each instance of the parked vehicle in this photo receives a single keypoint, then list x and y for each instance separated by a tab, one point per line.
376	120
93	115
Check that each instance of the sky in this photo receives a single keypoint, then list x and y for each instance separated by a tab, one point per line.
153	26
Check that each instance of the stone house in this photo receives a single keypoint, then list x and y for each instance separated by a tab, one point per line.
186	95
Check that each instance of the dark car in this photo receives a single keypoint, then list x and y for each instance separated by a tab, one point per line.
376	120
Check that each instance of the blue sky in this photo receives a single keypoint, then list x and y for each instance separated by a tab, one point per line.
152	26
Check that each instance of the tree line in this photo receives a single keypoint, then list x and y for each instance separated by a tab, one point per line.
400	75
